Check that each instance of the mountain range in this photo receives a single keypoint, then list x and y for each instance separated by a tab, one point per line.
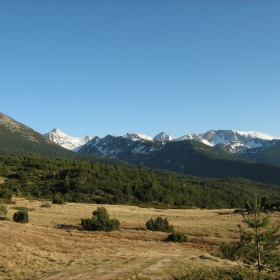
250	145
216	153
190	157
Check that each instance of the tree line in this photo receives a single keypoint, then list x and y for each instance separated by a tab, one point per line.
85	181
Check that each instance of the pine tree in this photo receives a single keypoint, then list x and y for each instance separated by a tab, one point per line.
259	243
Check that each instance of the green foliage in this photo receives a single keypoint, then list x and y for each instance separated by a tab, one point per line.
84	181
234	251
177	237
238	273
57	199
21	217
258	245
5	193
100	221
159	224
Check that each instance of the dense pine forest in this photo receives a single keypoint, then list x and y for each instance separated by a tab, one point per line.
85	181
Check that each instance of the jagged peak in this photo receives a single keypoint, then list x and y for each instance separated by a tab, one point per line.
137	136
162	136
66	141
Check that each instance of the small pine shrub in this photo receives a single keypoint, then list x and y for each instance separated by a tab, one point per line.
232	251
177	237
159	224
21	217
100	221
57	199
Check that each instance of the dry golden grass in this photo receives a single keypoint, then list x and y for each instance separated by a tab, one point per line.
2	180
41	250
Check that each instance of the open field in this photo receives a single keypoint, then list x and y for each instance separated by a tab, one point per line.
43	250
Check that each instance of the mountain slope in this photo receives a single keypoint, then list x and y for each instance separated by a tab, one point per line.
187	157
269	155
17	139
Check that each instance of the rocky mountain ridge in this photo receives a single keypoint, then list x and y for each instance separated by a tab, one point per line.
228	140
66	141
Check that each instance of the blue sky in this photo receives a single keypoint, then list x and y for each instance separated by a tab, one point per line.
100	67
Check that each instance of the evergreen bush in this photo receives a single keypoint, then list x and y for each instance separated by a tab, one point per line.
232	251
159	224
21	217
57	199
100	221
177	237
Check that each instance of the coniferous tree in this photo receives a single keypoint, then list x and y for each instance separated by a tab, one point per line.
260	239
258	245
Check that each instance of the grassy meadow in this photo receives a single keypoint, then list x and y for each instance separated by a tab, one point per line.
54	246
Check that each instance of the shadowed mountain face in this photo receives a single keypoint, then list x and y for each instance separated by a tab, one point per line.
17	139
250	145
187	157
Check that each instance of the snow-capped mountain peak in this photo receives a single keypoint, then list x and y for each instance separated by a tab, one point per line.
137	136
66	141
236	141
230	141
163	137
255	134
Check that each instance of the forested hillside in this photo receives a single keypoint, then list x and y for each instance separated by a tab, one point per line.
17	139
84	181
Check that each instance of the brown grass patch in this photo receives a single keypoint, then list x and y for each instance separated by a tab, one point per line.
42	250
2	180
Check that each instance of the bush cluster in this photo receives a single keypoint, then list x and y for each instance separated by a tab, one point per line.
100	221
177	237
21	217
159	224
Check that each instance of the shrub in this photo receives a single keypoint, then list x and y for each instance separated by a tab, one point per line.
21	217
177	237
232	251
159	224
57	199
100	221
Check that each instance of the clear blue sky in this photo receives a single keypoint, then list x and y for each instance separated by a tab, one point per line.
100	67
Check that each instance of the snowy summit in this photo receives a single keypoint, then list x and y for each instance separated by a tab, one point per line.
66	141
